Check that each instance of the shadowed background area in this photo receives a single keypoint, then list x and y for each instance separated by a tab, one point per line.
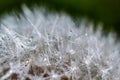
106	11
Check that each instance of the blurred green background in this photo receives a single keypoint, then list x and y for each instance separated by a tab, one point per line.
106	11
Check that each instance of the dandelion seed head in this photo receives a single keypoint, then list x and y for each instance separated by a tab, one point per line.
41	45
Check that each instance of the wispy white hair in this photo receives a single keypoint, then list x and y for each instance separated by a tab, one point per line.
49	46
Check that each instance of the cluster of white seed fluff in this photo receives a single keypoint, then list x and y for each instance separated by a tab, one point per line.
39	45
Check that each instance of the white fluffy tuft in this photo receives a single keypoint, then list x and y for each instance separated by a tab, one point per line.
47	46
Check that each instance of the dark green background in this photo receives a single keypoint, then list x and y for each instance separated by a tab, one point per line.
106	11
